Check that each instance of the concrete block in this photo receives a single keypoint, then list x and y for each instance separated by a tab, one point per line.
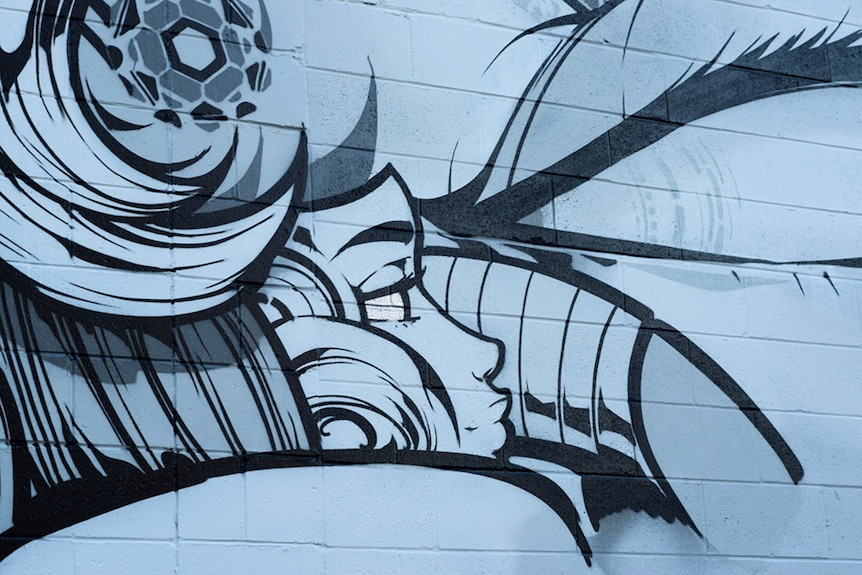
359	500
285	505
516	522
133	557
765	520
842	522
266	559
335	42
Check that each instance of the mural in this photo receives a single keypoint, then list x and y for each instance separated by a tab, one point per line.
189	293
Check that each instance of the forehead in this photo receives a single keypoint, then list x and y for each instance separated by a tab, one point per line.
361	236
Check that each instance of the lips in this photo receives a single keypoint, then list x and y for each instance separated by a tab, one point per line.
482	429
499	408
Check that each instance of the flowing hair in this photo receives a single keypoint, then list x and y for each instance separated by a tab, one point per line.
95	220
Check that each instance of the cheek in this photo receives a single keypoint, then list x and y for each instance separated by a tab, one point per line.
460	359
423	335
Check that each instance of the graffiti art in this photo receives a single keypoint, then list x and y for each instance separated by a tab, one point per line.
189	293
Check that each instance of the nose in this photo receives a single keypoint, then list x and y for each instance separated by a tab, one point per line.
489	358
459	355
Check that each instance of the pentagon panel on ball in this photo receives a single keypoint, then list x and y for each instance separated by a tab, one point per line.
198	61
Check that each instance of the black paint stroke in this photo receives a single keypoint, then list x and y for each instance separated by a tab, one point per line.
350	165
558	266
752	76
237	339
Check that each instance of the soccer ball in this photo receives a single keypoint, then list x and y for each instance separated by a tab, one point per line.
171	87
197	57
199	61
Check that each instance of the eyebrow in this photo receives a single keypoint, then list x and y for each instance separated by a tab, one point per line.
395	231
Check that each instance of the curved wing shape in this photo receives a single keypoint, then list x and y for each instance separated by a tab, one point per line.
584	364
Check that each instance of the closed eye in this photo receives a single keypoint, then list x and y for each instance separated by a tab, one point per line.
395	231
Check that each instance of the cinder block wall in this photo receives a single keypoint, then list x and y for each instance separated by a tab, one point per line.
402	286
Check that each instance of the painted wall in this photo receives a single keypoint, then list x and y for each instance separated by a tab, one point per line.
411	286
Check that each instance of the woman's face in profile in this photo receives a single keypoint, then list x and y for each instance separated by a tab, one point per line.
378	359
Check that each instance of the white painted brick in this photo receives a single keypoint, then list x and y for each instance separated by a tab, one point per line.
433	175
49	556
457	286
843	522
288	25
133	558
848	160
152	421
667	375
406	166
778	310
196	558
13	27
638	533
824	446
213	511
328	93
285	505
515	522
441	44
504	293
572	126
692	297
285	103
153	520
703	443
690	31
363	562
589	79
762	12
518	15
809	175
765	520
407	111
342	36
492	563
795	567
359	500
690	495
788	376
549	299
650	563
612	374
